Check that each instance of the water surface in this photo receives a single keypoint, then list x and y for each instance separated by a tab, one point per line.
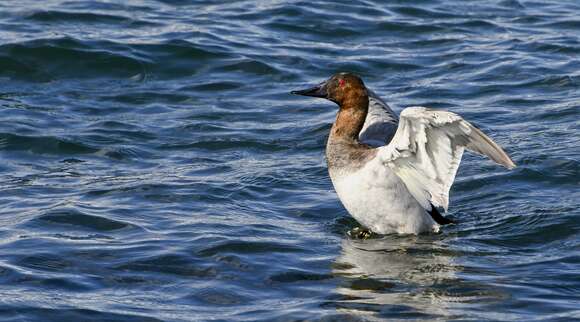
155	168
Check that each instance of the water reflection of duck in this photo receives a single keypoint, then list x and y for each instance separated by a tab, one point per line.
394	274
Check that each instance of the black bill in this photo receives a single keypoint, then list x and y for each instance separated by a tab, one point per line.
316	91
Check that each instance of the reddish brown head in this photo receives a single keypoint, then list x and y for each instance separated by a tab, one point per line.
345	89
349	92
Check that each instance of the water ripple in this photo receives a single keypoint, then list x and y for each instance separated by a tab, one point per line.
155	164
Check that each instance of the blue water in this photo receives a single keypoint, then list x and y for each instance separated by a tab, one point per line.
155	168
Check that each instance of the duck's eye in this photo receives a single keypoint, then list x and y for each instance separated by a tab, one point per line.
341	82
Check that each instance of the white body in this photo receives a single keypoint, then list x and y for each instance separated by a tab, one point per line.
378	199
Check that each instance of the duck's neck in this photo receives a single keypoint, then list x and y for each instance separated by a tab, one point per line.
350	119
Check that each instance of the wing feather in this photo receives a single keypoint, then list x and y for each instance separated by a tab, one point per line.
426	150
380	124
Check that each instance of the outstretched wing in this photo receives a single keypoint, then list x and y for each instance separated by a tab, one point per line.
427	148
381	122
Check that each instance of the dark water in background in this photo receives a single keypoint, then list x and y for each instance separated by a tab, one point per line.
154	166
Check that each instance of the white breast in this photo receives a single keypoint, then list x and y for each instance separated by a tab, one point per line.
380	201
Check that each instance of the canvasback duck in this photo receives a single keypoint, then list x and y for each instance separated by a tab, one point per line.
390	173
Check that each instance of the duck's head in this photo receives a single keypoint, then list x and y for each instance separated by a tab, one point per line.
341	88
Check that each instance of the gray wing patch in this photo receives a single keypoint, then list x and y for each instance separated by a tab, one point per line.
381	123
